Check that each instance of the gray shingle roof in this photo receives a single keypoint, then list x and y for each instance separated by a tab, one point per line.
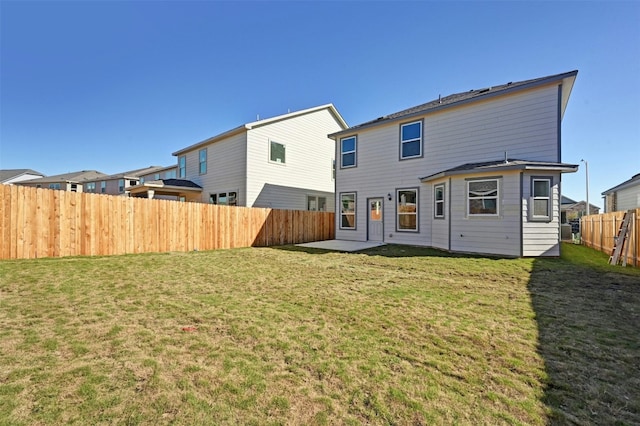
7	174
80	176
635	180
500	165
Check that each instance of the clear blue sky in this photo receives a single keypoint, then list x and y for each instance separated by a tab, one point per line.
119	85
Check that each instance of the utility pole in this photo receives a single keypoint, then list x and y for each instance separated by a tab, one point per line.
586	169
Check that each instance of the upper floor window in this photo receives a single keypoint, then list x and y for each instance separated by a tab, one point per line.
407	209
103	186
202	161
348	148
438	201
171	174
541	198
120	185
142	180
277	152
411	140
182	166
482	196
90	187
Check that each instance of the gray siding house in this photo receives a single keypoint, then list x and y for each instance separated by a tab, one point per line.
625	196
475	172
284	162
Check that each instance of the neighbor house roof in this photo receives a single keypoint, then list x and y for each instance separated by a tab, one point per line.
132	173
635	180
566	200
502	165
8	174
259	123
80	176
474	95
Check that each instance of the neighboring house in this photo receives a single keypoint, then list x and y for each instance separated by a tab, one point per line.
73	181
161	179
475	172
572	210
119	183
284	162
10	176
625	196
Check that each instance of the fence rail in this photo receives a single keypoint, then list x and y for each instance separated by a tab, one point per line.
36	222
599	232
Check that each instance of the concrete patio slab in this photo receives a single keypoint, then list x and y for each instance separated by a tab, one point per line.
342	245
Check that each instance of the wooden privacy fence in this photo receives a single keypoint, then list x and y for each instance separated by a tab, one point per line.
599	232
37	222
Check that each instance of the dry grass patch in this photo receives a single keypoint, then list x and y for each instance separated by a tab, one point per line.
397	335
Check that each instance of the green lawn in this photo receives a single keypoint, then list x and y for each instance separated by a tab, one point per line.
393	335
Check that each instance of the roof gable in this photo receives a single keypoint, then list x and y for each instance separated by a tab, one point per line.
461	98
255	124
635	180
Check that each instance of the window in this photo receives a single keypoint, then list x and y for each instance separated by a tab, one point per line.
142	180
120	185
541	198
182	166
411	140
483	197
171	174
407	209
54	186
156	176
74	187
224	198
103	187
438	201
276	152
348	152
132	183
90	187
202	161
333	169
316	204
348	210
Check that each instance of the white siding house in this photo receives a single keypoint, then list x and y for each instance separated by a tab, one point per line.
476	172
284	162
625	196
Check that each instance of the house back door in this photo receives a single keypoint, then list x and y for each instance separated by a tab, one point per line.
375	231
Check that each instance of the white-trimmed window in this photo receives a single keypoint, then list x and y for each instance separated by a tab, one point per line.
540	199
411	140
348	210
277	152
90	187
348	147
482	197
202	161
316	203
182	166
407	209
438	201
224	198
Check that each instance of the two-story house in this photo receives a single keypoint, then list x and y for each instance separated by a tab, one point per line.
476	172
9	176
283	162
